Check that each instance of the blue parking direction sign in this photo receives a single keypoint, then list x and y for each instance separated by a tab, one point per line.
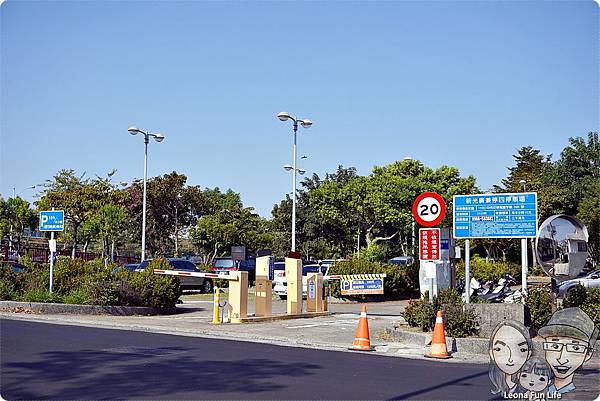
52	220
362	286
503	215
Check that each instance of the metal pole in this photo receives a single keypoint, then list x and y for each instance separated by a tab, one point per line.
358	244
176	232
294	190
468	270
14	192
524	267
51	260
144	201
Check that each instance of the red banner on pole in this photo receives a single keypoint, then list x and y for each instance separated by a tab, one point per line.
429	244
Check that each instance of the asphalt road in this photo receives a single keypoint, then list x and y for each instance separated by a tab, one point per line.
40	360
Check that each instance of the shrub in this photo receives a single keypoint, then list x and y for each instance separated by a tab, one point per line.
400	281
69	274
40	295
539	303
77	297
484	270
102	287
155	290
459	322
419	313
588	299
9	283
576	296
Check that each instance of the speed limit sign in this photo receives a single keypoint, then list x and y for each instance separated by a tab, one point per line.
429	209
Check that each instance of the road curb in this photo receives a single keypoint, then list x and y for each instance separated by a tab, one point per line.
53	308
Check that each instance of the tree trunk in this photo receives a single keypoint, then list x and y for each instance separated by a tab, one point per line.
75	229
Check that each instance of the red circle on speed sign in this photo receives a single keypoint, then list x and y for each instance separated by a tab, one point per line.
429	209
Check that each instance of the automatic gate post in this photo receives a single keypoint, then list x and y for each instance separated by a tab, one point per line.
293	274
238	296
314	292
264	288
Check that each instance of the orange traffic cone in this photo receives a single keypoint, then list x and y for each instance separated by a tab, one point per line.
362	341
438	342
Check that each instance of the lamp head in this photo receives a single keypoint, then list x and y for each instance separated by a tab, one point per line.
159	137
301	171
133	130
306	123
283	116
287	167
522	182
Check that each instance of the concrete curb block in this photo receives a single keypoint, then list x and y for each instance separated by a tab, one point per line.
261	319
51	308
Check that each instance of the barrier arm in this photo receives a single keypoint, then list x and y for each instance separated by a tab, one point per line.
195	274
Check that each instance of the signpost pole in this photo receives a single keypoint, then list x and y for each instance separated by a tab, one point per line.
524	267
51	259
468	270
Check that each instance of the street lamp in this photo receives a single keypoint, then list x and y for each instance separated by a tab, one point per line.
158	138
306	123
523	185
21	191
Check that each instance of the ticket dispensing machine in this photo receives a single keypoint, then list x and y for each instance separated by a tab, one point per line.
293	274
314	292
264	285
238	296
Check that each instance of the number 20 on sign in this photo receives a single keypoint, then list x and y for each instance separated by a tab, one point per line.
429	209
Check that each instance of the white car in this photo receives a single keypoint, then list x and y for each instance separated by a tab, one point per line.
592	280
280	281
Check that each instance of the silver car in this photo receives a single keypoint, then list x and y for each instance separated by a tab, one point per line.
592	280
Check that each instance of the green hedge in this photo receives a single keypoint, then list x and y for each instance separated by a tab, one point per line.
484	270
400	281
459	322
539	303
588	299
76	281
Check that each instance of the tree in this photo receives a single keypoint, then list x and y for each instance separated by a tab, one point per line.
228	224
108	222
589	213
79	197
379	205
15	216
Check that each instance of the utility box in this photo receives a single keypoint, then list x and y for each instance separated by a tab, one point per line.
238	296
444	267
314	292
264	287
293	274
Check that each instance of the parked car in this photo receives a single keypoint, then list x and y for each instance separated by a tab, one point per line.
401	260
16	267
280	281
203	284
591	280
227	264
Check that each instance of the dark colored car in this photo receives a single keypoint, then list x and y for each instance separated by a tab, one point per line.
16	267
227	264
203	284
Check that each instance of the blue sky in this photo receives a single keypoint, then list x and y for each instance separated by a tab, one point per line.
458	83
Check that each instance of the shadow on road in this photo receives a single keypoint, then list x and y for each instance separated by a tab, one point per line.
461	381
143	372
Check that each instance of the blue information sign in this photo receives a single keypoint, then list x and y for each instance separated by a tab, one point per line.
52	220
495	215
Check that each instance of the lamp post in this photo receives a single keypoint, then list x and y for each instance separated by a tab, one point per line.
158	138
10	237
306	123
